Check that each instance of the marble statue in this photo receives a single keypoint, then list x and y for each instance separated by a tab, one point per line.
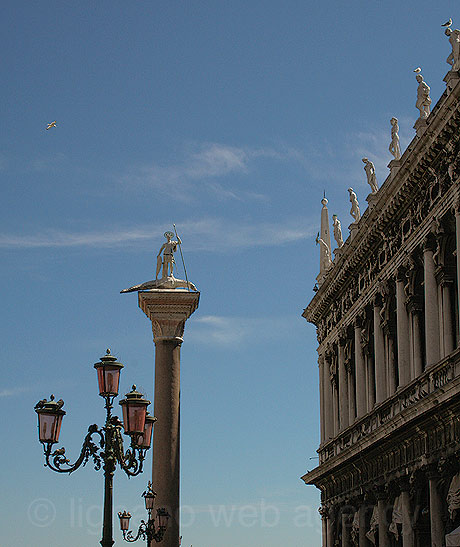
354	212
394	148
165	262
168	248
423	96
327	251
337	231
454	39
370	173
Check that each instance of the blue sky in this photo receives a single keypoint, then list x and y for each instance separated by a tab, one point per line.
229	119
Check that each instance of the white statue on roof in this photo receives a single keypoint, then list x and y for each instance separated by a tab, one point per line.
394	148
370	173
423	95
354	211
454	39
337	231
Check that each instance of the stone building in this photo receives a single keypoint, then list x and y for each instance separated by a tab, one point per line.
386	309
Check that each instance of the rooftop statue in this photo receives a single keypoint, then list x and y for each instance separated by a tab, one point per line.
370	173
165	263
423	95
394	148
454	39
327	251
337	231
354	212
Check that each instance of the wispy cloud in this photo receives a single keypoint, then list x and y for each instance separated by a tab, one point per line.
221	331
13	391
199	167
210	234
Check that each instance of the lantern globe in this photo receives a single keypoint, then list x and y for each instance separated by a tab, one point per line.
50	416
144	440
108	375
124	520
162	518
134	411
149	497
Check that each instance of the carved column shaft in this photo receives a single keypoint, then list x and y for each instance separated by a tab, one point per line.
408	537
436	524
363	541
351	395
346	536
330	532
343	387
457	234
379	356
402	327
322	389
417	345
360	375
328	411
431	309
370	382
384	539
448	338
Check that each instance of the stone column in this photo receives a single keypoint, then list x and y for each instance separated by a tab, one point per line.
379	356
168	311
436	524
346	536
431	306
408	537
327	408
343	385
457	233
360	372
402	329
384	539
351	392
448	335
323	512
322	388
363	541
330	530
370	382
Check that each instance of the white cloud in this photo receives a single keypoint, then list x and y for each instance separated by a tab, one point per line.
206	234
12	392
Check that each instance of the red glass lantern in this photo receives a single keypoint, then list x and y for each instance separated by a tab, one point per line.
162	519
134	411
149	497
108	375
124	520
144	440
49	419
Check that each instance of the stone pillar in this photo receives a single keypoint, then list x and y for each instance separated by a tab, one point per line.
323	512
431	306
330	530
379	356
457	233
351	392
346	536
363	541
360	372
370	382
343	386
408	537
436	524
384	539
322	389
168	311
391	365
328	408
448	335
402	328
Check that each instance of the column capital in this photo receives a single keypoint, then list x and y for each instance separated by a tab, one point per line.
168	310
429	243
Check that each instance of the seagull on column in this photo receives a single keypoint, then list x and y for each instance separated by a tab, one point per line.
50	125
448	23
418	70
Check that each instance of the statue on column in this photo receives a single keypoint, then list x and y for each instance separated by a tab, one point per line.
423	95
394	148
370	173
354	211
454	40
165	263
168	248
337	226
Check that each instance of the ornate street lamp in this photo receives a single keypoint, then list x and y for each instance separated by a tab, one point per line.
136	424
153	529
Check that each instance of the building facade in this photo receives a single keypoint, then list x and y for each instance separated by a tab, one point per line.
386	309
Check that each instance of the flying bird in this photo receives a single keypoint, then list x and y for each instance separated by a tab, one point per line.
50	125
448	23
417	70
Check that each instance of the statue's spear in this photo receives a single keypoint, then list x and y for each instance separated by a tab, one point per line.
182	256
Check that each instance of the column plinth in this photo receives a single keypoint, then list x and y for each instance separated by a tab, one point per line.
168	311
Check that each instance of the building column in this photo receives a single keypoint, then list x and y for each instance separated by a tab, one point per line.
346	535
402	329
323	512
363	541
436	524
408	537
457	234
168	312
432	331
448	335
330	530
351	393
379	356
392	381
360	371
343	385
327	407
384	538
322	389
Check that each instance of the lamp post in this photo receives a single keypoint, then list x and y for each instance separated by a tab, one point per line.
108	448
153	529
